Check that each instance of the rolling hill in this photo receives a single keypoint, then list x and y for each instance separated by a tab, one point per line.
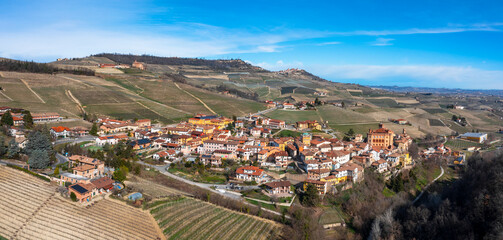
173	89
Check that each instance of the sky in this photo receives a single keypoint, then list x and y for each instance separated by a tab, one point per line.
422	43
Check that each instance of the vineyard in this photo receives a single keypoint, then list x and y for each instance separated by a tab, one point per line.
31	209
187	218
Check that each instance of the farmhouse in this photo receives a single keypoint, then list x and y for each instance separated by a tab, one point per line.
83	191
138	65
111	139
46	117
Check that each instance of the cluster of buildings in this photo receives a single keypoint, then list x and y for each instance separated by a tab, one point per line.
213	139
88	177
17	116
135	64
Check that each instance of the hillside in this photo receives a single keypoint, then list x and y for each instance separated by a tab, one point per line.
173	89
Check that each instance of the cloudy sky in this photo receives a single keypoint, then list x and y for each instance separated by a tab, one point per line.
430	43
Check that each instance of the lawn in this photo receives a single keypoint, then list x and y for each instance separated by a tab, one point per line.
288	133
268	206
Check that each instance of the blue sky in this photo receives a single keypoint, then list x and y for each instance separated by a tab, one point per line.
455	44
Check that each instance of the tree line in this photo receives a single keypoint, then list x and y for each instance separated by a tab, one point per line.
34	67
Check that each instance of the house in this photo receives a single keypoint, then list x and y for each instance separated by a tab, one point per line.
18	121
381	165
321	186
111	139
278	187
83	191
212	160
251	173
164	154
79	131
476	137
141	144
142	123
317	174
138	65
308	124
288	106
104	184
84	169
60	131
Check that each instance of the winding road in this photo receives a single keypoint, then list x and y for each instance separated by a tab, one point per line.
427	186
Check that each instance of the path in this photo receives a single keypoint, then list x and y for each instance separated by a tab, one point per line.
141	104
74	99
198	99
5	95
76	80
426	187
28	86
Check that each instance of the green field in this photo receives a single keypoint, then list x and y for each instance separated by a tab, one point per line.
292	116
458	144
357	128
384	102
330	216
337	115
434	110
436	123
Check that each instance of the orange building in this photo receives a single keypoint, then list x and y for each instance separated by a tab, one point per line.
381	137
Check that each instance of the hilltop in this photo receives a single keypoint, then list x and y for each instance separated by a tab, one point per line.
171	89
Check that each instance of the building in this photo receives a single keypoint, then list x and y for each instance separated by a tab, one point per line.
111	139
306	138
381	137
308	124
138	65
321	186
60	131
317	174
380	166
251	173
83	191
278	188
46	117
476	137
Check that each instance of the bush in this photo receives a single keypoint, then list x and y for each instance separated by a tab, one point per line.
73	196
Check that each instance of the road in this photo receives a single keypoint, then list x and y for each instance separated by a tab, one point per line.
74	140
426	188
164	170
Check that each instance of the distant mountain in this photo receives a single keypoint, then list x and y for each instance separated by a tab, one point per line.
441	90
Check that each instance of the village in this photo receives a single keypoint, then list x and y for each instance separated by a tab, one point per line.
248	147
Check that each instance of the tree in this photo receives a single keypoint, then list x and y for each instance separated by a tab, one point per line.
310	196
351	132
38	159
28	119
7	119
56	171
3	148
121	173
38	141
94	130
73	196
13	149
343	104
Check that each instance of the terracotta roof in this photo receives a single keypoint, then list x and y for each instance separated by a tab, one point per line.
60	129
257	170
278	184
104	182
83	168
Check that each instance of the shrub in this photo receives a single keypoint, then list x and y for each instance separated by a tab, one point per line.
73	196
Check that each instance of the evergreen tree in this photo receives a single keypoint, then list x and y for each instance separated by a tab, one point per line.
13	149
310	197
28	119
7	119
351	132
38	159
73	196
38	141
94	130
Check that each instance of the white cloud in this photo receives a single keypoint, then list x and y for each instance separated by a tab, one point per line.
489	27
422	75
383	42
329	43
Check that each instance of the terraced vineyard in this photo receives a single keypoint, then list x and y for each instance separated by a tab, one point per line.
31	209
187	218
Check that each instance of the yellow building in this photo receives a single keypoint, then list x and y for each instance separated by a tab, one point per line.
381	137
405	159
306	138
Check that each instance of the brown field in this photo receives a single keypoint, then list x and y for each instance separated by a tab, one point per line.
31	209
